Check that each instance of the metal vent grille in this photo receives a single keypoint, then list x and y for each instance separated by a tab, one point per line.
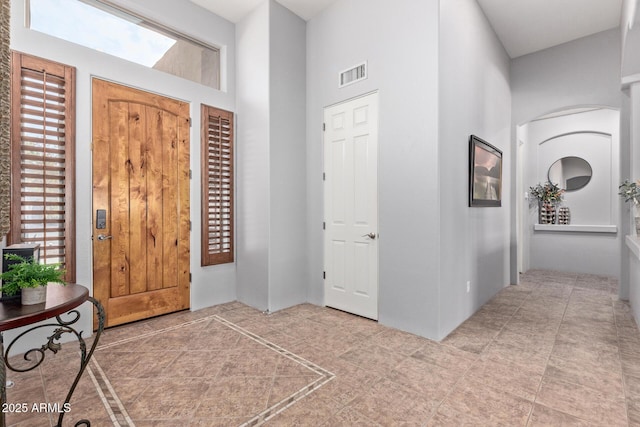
352	75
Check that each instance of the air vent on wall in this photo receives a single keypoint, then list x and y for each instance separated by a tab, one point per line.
352	75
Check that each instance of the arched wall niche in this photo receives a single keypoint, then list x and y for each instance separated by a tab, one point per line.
592	133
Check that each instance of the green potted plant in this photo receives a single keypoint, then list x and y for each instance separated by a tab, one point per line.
29	277
630	192
548	196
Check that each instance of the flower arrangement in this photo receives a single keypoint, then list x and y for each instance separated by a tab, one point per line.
630	191
547	193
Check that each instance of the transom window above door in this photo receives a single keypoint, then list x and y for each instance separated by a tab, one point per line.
103	27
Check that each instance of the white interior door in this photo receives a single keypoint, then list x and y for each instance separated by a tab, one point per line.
351	206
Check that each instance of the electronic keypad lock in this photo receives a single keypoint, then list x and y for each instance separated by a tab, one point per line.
101	219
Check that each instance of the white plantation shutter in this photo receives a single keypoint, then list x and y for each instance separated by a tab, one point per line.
217	186
42	158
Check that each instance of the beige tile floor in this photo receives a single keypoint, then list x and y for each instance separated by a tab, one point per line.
559	349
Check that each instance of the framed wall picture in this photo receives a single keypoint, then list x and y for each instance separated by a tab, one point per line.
485	173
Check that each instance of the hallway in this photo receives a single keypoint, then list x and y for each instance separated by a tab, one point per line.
559	349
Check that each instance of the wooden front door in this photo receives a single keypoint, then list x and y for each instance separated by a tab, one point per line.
140	203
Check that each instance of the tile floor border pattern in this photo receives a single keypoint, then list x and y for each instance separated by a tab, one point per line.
110	400
108	395
153	333
325	376
121	418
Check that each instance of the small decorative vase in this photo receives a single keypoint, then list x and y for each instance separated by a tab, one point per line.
32	296
547	213
637	223
564	215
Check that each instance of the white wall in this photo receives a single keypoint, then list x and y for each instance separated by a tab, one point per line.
593	203
475	98
271	161
288	204
630	37
634	291
625	171
431	242
633	108
630	140
399	40
252	142
210	285
593	136
582	72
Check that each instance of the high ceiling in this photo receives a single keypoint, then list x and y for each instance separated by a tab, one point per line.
235	10
523	26
526	26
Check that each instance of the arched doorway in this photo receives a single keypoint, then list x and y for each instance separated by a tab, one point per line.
591	242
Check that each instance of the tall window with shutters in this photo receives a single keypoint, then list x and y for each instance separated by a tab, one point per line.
217	186
43	158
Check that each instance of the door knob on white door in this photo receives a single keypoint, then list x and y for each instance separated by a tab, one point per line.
372	235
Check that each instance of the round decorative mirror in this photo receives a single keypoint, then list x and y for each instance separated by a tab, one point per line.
570	173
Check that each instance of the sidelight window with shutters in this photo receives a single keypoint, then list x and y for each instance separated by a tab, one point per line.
217	186
43	158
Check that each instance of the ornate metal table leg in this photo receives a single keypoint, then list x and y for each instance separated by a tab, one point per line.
3	382
61	328
84	359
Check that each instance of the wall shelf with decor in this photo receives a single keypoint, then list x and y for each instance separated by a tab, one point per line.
571	228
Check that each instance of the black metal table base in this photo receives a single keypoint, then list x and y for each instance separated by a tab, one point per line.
36	356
